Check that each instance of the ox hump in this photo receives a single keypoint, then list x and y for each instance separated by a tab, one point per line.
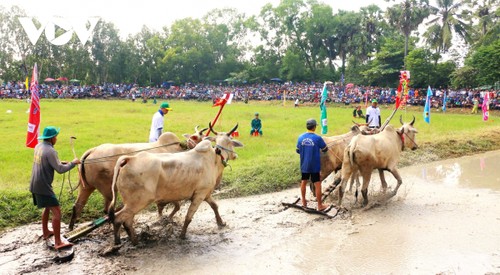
203	146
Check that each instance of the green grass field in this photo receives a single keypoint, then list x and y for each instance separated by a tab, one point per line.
265	164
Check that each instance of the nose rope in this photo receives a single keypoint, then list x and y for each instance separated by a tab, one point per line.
411	139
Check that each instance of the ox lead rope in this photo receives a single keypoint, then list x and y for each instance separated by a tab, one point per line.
104	159
219	152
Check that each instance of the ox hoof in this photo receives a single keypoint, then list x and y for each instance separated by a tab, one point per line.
221	224
110	250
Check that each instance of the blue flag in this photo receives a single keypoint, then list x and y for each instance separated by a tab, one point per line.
427	108
324	121
444	102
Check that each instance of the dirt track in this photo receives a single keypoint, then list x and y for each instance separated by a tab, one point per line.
430	227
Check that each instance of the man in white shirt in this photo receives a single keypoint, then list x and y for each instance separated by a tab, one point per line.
157	122
373	115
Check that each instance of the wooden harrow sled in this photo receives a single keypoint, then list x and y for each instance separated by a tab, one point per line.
86	229
330	212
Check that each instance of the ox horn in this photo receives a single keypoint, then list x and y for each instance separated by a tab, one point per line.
211	129
355	123
413	121
401	119
202	130
234	129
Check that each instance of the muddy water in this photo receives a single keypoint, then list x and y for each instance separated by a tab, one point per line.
444	219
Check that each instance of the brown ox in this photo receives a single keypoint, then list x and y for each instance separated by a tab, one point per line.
146	178
98	164
381	151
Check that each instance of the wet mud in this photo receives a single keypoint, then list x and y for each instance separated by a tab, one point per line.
445	219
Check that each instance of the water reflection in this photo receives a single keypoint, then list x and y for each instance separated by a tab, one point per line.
479	171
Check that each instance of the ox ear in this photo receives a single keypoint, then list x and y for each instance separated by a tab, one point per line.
237	143
210	138
186	135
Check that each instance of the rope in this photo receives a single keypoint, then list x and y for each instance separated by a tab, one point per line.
106	158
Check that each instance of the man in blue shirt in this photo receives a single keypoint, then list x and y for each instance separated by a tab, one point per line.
309	146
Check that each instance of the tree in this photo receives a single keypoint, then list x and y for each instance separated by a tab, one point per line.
347	26
407	16
486	61
448	19
384	69
487	15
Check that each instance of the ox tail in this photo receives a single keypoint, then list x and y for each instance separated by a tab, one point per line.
83	179
114	189
352	157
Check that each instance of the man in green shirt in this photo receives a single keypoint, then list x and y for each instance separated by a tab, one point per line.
256	125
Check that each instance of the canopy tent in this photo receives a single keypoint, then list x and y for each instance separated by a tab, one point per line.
49	79
62	78
276	79
74	80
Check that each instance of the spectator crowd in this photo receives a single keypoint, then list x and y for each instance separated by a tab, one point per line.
304	92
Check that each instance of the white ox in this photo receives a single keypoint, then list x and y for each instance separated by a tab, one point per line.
331	162
98	164
162	178
381	151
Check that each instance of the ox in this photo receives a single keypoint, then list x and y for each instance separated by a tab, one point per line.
98	164
332	161
162	178
381	151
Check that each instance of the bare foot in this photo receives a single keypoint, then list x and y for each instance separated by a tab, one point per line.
323	207
304	203
48	235
63	245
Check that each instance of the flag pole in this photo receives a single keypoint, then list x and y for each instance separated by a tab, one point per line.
217	116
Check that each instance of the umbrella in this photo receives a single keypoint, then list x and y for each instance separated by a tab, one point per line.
48	79
276	79
349	85
62	78
74	80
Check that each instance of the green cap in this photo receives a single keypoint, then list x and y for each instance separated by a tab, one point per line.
165	105
374	100
256	114
49	132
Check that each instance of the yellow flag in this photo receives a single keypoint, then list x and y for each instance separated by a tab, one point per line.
27	87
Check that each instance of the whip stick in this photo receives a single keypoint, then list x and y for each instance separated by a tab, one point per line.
216	117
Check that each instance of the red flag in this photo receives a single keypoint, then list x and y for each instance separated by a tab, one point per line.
34	118
227	98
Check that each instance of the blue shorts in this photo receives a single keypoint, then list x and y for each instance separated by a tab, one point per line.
313	176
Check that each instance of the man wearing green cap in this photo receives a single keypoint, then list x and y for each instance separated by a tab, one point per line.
373	115
157	122
44	163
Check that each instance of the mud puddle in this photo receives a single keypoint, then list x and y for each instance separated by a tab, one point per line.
444	219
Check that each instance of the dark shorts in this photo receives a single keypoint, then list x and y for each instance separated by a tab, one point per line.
313	176
42	201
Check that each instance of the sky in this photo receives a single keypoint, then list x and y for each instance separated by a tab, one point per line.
130	16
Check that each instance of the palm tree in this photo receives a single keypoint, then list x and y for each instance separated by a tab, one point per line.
487	15
449	19
407	16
